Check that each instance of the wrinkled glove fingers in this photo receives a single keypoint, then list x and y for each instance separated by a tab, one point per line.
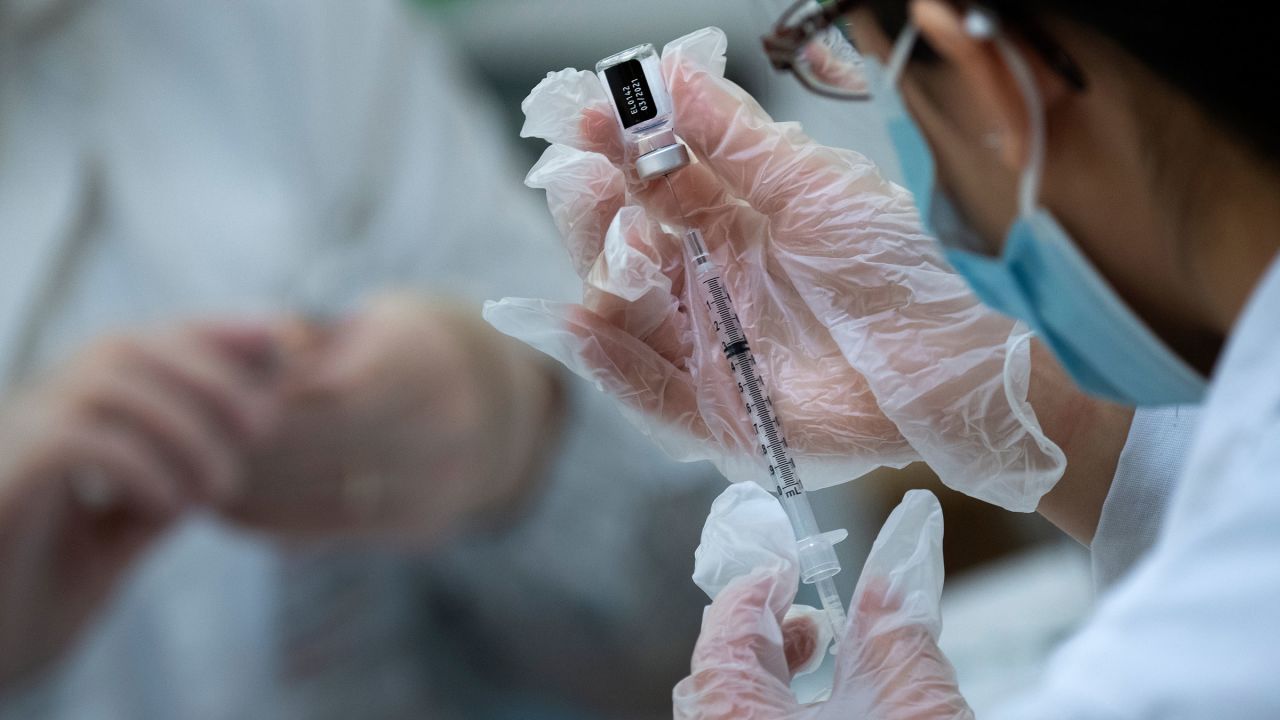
618	363
899	666
635	285
584	194
890	649
638	257
553	109
698	193
901	581
599	132
770	165
731	694
570	109
636	374
742	626
739	668
655	321
804	641
759	161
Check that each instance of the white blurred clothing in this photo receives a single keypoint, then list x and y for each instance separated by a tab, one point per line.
1150	464
1193	631
164	158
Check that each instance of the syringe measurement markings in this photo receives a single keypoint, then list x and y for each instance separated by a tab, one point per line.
735	345
720	298
777	452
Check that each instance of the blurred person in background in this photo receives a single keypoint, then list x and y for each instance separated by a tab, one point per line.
184	187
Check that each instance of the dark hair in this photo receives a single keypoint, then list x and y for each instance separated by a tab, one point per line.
1221	55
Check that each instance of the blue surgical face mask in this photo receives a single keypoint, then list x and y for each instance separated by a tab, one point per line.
1041	277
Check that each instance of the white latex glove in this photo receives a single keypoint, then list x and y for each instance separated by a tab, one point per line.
875	351
748	531
889	665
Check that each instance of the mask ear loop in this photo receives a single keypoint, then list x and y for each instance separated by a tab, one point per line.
982	25
902	48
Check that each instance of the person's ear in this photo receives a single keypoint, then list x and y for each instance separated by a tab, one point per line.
988	78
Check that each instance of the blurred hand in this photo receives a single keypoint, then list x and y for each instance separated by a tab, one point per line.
404	422
102	456
888	667
875	350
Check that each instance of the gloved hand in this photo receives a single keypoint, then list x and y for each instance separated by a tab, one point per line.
888	666
876	352
403	422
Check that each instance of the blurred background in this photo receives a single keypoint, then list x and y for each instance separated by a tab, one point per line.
218	161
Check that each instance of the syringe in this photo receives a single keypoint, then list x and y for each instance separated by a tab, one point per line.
644	113
817	556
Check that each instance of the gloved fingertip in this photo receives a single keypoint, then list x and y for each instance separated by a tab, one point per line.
806	633
599	132
750	595
551	164
630	264
570	172
489	306
916	522
552	108
515	316
713	113
743	626
898	595
874	600
704	49
555	328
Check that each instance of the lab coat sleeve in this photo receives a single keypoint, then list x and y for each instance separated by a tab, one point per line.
1194	630
1149	466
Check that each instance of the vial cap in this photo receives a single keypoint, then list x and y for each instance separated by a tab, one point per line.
662	161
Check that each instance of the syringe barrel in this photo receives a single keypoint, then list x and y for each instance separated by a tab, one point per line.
816	554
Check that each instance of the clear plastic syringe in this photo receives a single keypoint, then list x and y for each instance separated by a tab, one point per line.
818	561
644	113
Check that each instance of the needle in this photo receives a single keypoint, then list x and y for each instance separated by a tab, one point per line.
684	219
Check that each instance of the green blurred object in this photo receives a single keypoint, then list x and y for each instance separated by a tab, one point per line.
444	12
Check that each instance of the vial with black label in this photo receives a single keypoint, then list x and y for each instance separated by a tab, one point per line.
633	79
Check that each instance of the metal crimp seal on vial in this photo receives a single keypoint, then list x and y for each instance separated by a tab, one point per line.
662	161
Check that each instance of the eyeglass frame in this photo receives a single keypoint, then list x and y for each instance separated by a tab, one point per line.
785	41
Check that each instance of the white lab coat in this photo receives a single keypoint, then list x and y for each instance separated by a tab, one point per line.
1193	630
162	158
1147	474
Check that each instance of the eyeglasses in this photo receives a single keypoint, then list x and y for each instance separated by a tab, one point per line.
812	41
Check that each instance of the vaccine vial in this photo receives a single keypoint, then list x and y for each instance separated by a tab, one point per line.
642	106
